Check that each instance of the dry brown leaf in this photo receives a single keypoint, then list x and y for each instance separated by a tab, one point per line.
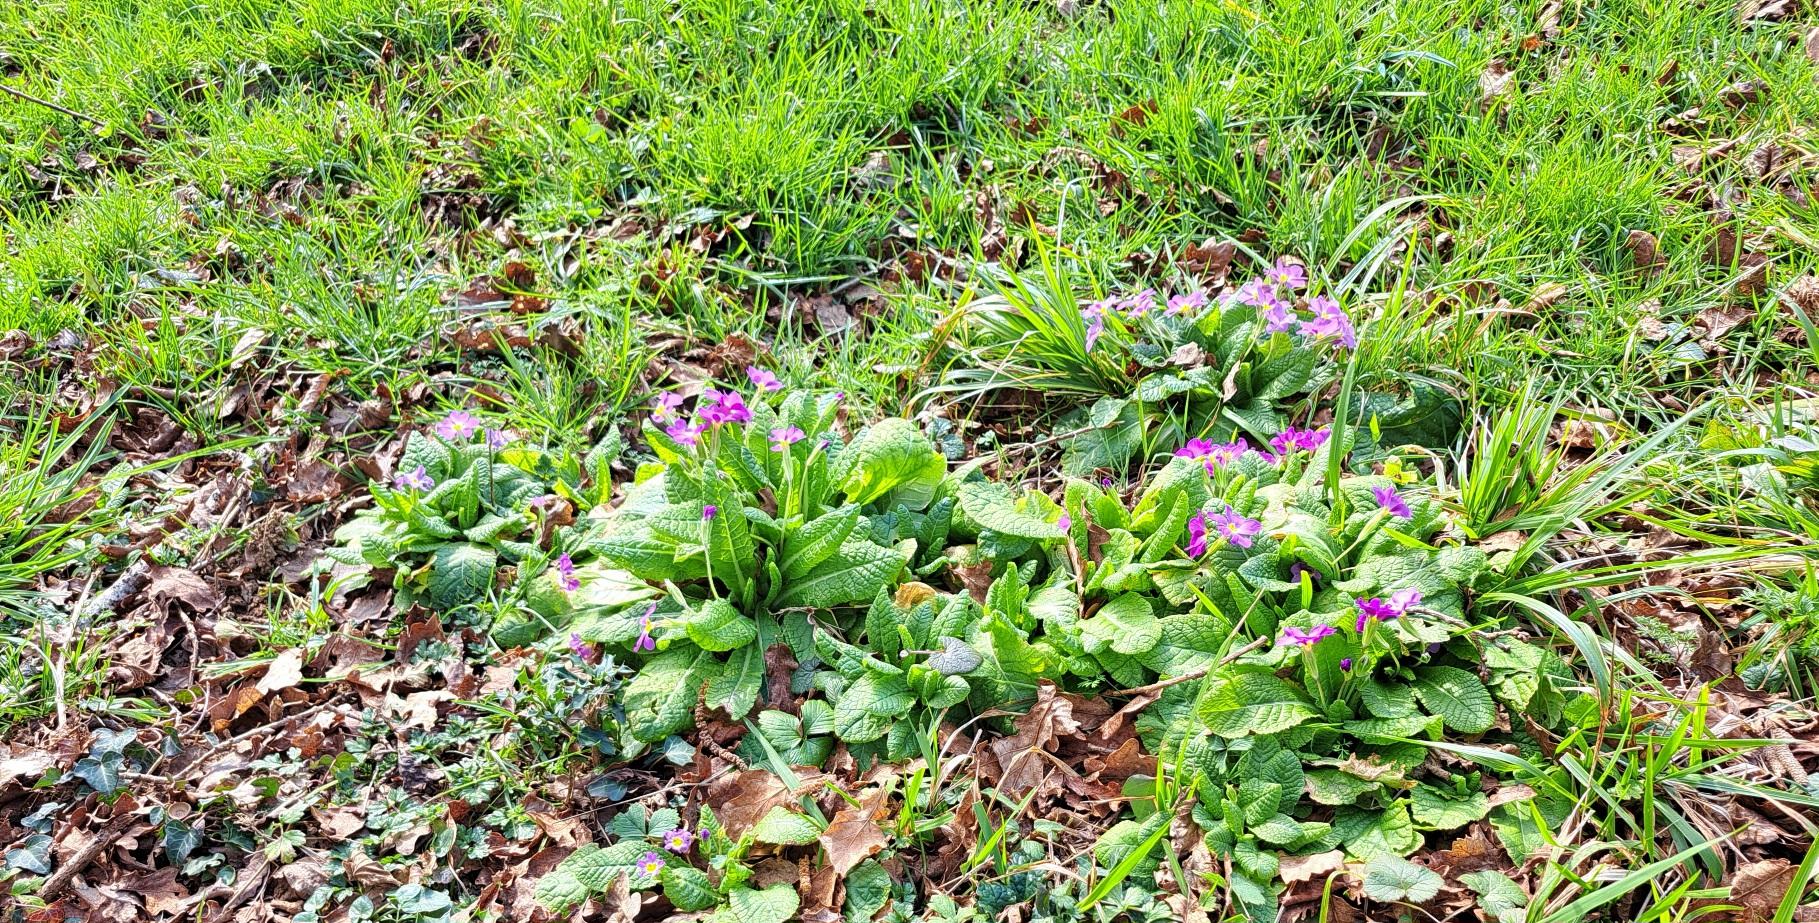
1812	44
741	799
183	585
1297	869
851	838
1545	296
1496	80
1645	251
285	671
1758	888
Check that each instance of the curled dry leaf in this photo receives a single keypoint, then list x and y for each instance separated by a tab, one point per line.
1296	869
1645	251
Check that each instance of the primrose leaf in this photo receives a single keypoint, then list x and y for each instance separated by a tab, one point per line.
775	904
1241	701
660	699
782	827
1391	878
991	505
1438	809
588	870
891	460
1116	436
688	888
460	573
1457	697
718	626
854	574
1126	625
817	541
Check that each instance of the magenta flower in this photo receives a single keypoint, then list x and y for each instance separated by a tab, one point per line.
1345	664
565	571
785	436
708	511
1375	608
1287	275
679	840
1302	440
645	642
1187	303
669	403
1330	322
1234	527
1065	523
650	864
684	432
1196	535
1094	315
458	424
1140	304
1309	637
724	407
1195	448
1388	499
763	379
417	479
544	503
583	651
1227	452
497	439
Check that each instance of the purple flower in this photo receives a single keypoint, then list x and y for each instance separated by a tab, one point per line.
565	571
684	432
1280	318
1309	637
584	651
1065	523
1375	608
417	479
708	511
1287	274
1187	302
1303	440
1196	535
1226	452
1296	569
1139	304
1388	499
785	436
763	379
1404	600
651	864
1330	322
1235	528
458	425
1257	292
1095	326
1345	663
724	407
497	439
645	642
668	405
678	840
1105	483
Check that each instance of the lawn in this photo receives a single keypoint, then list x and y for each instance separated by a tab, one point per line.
987	459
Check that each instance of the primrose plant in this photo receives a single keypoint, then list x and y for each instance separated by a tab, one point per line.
477	524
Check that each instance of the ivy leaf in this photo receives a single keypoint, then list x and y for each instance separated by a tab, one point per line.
782	827
101	772
1457	697
775	904
854	574
460	573
1390	878
718	626
1126	625
32	856
1240	701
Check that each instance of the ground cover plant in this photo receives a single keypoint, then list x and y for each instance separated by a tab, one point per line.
987	460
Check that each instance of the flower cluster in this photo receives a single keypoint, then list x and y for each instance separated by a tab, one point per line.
1230	525
459	426
717	408
1274	295
1217	454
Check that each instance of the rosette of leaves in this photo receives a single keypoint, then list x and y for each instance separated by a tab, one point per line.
473	539
818	525
1218	376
